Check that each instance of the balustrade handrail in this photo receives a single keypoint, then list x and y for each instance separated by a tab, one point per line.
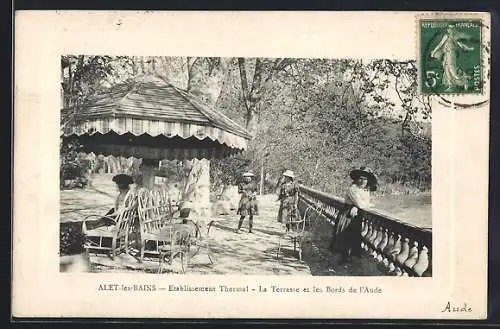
403	249
373	211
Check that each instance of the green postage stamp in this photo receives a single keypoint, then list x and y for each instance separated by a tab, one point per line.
450	56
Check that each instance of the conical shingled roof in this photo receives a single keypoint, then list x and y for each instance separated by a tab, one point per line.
150	107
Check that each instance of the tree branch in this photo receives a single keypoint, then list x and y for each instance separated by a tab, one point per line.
257	78
190	70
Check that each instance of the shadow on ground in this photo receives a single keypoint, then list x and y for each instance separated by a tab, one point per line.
322	261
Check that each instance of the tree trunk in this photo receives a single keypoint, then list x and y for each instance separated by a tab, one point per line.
143	65
253	95
251	125
196	193
135	66
261	187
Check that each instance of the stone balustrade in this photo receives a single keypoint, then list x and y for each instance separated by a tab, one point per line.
401	249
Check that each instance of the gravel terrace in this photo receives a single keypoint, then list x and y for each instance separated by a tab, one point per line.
243	253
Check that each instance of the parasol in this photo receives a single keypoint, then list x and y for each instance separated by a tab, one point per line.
150	119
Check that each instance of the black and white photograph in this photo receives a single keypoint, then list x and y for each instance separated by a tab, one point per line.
279	166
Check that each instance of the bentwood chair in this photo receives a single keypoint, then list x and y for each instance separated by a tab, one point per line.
174	243
294	231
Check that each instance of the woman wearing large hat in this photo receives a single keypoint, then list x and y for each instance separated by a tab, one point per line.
289	198
123	183
73	256
248	202
347	232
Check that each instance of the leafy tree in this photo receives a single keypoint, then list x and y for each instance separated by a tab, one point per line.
319	117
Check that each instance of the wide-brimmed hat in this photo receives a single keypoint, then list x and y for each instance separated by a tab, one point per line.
248	174
365	172
123	179
289	173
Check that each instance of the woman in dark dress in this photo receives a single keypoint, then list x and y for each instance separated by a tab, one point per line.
248	202
289	198
73	257
347	232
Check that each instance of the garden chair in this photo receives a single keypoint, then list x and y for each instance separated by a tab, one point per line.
294	232
200	238
153	222
164	201
112	238
174	243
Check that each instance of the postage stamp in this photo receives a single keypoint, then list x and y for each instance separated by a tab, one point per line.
297	170
450	56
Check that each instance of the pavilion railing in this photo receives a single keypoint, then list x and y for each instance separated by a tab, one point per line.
400	248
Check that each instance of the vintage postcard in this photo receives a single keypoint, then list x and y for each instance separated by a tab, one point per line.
251	164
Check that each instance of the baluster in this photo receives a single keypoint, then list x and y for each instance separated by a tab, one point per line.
364	229
405	251
385	238
378	237
364	237
386	261
391	267
376	241
396	249
428	272
390	244
372	237
381	245
371	231
423	262
413	256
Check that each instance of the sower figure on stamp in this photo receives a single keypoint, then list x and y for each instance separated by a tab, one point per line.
248	202
446	51
289	198
347	232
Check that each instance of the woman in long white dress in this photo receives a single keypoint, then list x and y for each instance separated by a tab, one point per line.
347	232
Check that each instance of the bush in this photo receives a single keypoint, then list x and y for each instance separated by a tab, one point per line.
72	168
227	171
